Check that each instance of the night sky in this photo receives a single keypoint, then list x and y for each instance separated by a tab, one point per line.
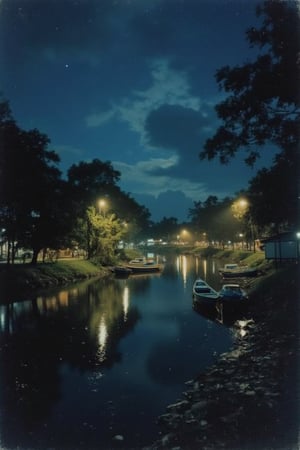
131	82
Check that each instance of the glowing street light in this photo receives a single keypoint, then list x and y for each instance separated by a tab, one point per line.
243	203
240	208
102	206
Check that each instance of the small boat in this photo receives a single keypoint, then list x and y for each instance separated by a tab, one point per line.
236	271
121	271
232	293
204	294
142	265
232	304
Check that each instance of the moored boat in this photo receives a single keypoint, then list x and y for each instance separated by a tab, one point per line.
140	265
232	293
204	294
232	304
121	271
236	271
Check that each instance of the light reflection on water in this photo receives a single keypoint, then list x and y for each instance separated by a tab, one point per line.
104	357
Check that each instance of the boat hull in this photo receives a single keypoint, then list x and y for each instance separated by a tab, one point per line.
145	268
238	273
121	271
205	300
204	294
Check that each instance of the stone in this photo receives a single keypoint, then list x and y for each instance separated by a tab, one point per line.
179	406
118	437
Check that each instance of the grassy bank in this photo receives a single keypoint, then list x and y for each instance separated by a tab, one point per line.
22	277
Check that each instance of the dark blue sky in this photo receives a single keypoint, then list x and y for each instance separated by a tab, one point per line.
132	82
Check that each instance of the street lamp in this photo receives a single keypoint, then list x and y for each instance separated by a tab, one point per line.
102	206
240	208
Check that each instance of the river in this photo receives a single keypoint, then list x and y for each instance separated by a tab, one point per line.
93	365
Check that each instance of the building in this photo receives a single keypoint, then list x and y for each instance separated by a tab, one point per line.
282	246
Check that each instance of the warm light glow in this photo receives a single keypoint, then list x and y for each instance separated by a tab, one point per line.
126	302
239	208
102	339
63	298
243	203
205	268
181	264
102	204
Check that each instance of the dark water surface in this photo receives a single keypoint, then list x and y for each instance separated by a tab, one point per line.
103	358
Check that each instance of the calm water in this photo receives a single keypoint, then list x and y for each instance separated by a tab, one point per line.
103	358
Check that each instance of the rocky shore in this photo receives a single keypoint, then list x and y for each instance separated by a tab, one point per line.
249	400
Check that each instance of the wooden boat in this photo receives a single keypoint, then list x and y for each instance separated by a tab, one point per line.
204	294
232	293
141	265
236	271
121	271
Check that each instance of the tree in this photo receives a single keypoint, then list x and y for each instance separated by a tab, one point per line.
274	195
103	234
95	180
264	101
32	206
91	180
167	229
214	218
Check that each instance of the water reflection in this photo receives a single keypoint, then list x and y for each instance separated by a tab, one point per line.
125	302
184	265
68	358
223	314
102	337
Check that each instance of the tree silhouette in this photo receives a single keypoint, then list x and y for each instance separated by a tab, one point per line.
32	202
263	105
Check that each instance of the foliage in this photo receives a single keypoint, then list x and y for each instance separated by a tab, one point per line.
89	181
274	194
104	234
214	219
263	105
32	202
93	181
167	229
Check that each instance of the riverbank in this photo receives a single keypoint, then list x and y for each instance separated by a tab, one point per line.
63	271
27	278
249	400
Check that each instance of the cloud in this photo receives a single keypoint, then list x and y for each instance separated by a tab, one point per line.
167	118
176	127
139	178
167	204
164	196
168	87
97	120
